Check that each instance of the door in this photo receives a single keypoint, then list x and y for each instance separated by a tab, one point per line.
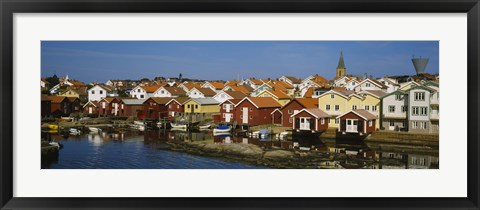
227	117
304	123
352	125
228	107
391	125
90	110
245	115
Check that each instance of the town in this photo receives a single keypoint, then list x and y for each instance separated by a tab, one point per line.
348	104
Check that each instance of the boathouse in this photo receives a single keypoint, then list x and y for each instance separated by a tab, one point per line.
312	119
227	111
91	108
131	107
357	121
175	107
46	105
255	110
109	106
292	108
155	108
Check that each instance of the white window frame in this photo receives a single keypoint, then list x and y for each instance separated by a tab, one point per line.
391	109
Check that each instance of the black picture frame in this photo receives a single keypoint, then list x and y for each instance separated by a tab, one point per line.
10	7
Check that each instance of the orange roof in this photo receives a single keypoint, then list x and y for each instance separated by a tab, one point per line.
236	94
256	81
284	84
308	102
109	99
234	101
151	88
180	100
264	102
57	99
217	85
77	83
207	91
175	90
279	94
309	92
231	82
243	88
319	79
191	85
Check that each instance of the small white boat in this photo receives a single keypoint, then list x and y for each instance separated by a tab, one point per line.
202	127
138	123
222	129
178	126
94	130
74	131
56	144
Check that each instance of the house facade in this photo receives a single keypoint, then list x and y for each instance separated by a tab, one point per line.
227	110
394	111
176	107
255	110
293	107
99	92
131	107
155	108
312	120
422	117
357	121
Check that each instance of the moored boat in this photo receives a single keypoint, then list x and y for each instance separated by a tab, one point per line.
204	126
74	131
264	133
178	126
94	130
222	129
52	126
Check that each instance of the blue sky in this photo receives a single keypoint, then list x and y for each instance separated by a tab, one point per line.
100	61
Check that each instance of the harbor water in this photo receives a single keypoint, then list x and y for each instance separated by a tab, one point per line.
141	150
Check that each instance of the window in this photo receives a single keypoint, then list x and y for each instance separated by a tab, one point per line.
251	116
337	120
337	107
367	84
93	92
419	96
392	123
327	107
162	92
138	90
415	110
169	106
289	111
370	123
251	109
404	124
223	115
142	96
423	125
241	116
404	108
224	106
188	106
423	110
414	125
332	96
178	106
322	121
374	108
290	120
398	97
391	109
354	107
367	107
196	106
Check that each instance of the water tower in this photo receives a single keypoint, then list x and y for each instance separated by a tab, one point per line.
420	64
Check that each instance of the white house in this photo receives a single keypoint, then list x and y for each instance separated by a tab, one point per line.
222	96
422	118
394	107
99	92
215	86
290	80
201	93
392	84
169	92
369	84
144	92
350	85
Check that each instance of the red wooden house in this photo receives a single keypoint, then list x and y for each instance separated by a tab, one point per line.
46	105
357	121
131	107
109	106
283	115
91	108
255	110
312	119
60	106
175	107
155	108
75	106
227	111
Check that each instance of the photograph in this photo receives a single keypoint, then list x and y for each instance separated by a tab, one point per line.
240	104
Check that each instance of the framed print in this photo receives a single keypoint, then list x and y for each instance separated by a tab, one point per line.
252	105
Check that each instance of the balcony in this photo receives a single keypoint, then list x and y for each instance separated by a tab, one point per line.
395	115
434	115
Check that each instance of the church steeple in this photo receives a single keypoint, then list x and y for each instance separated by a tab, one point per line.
341	70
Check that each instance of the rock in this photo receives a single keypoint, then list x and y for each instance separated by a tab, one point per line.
243	150
279	155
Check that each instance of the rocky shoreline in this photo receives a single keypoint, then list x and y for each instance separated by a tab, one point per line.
253	154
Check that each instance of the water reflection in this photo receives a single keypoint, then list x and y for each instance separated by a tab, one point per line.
136	144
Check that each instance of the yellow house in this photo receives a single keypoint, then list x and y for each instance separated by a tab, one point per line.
278	95
70	93
202	105
334	103
371	102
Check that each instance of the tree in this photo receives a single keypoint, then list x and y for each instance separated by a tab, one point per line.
52	81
